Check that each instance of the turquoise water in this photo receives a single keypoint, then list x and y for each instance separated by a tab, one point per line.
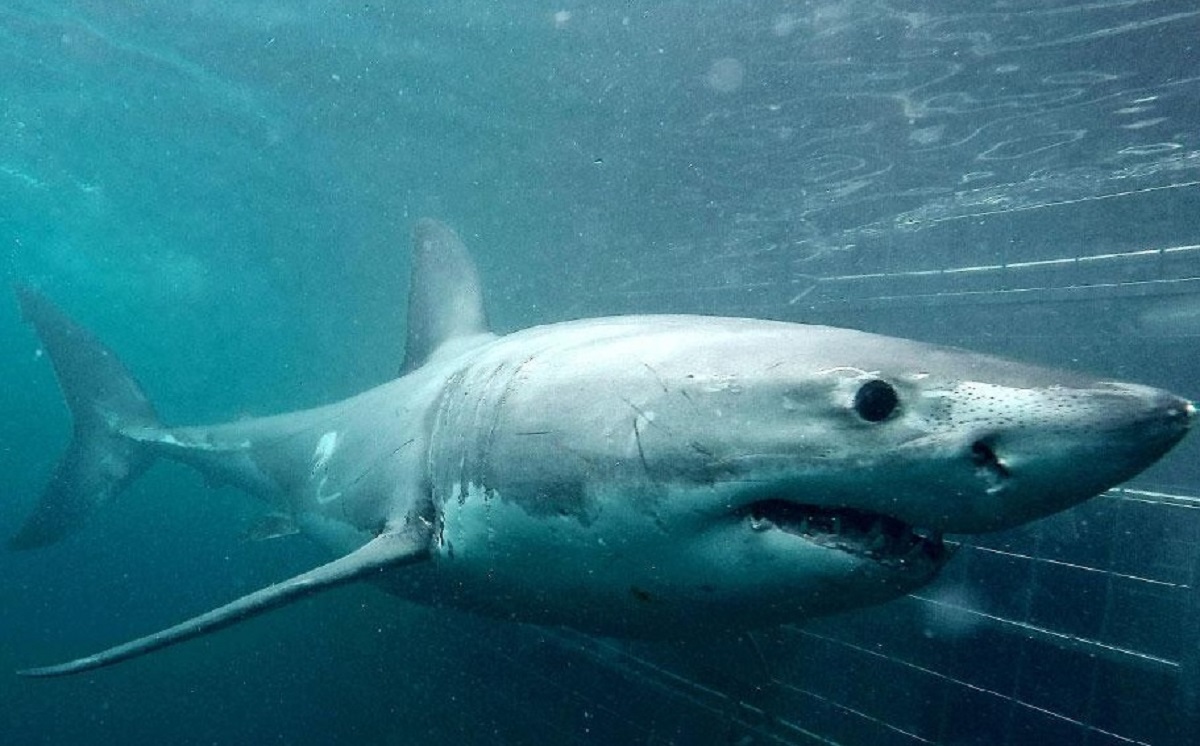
223	192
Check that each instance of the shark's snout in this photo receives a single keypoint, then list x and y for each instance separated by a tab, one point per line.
1059	451
1136	425
1186	412
1178	414
1173	419
1170	418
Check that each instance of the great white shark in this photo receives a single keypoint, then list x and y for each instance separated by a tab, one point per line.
648	476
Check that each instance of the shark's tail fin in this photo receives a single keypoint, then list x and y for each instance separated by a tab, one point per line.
103	397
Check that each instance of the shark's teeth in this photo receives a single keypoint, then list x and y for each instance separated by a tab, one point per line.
879	537
878	544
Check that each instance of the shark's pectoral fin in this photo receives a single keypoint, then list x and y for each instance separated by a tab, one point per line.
390	549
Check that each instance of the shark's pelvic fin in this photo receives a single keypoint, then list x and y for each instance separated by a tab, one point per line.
103	397
445	300
390	549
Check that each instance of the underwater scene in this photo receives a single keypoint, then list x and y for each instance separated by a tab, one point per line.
237	209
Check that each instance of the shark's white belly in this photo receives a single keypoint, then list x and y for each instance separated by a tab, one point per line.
620	571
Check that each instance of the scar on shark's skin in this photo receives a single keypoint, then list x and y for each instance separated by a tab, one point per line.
320	463
324	450
654	373
801	470
637	437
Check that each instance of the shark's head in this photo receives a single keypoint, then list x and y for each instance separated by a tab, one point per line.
940	439
755	472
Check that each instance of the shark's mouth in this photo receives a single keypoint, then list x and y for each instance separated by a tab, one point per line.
874	536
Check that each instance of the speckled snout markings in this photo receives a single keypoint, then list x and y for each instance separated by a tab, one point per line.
652	476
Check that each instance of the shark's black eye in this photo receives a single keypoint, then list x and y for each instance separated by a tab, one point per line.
875	401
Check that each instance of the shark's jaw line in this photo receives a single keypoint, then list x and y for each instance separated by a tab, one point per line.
653	476
874	536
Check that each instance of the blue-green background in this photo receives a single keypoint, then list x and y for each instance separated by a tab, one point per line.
223	191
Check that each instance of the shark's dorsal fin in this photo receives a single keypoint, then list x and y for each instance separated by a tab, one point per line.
390	549
445	300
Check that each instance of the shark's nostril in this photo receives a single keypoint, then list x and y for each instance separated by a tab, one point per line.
987	462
